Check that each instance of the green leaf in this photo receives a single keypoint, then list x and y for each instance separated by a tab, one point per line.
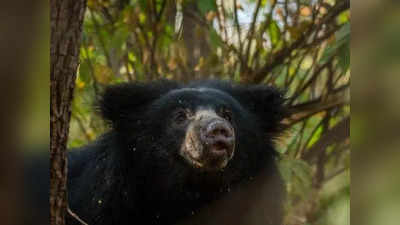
263	2
316	136
142	18
340	47
206	6
84	72
215	38
343	32
274	32
344	17
75	143
132	57
166	37
344	57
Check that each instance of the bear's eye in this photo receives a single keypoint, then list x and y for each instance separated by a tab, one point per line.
226	114
180	116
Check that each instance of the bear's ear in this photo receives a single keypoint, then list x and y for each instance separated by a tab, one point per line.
122	100
265	102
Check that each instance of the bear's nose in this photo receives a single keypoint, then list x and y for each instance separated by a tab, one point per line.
219	137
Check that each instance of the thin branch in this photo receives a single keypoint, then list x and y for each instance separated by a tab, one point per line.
251	31
280	56
296	70
322	102
321	157
126	64
161	12
91	67
101	40
238	30
335	173
313	78
337	134
107	14
300	112
82	127
264	27
306	143
76	217
306	75
298	149
221	19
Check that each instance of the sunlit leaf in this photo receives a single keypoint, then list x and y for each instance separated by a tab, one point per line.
142	17
274	32
344	17
263	3
315	137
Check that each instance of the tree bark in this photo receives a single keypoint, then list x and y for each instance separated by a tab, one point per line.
66	17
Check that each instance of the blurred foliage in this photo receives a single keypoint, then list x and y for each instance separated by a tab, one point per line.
300	46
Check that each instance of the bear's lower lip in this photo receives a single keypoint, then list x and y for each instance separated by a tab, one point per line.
212	161
218	152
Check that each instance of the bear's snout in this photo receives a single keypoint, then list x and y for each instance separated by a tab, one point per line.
218	137
209	143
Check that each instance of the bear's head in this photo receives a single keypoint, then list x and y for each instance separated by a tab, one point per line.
195	138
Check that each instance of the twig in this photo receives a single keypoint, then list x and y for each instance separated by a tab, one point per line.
101	40
76	217
280	56
313	78
126	64
238	30
82	127
321	157
221	19
161	12
338	133
298	149
263	29
334	174
296	70
251	31
306	75
332	99
306	143
91	67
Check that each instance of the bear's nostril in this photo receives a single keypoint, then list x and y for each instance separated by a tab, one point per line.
218	129
219	138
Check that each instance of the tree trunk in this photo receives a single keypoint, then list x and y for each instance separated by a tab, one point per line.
66	17
195	36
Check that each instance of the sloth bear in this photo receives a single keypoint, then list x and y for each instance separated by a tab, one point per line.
174	149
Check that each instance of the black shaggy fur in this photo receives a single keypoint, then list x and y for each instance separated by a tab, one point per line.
134	175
